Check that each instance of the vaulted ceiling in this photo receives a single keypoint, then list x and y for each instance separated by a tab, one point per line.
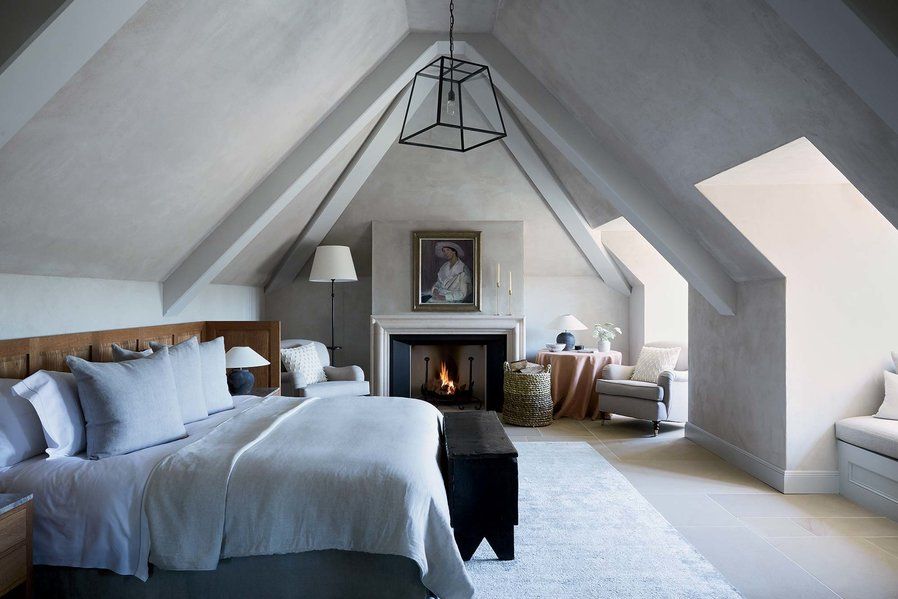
189	106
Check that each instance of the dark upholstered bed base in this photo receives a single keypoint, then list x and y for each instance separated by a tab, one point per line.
312	575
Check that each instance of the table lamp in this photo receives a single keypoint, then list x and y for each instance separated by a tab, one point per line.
332	263
566	323
241	380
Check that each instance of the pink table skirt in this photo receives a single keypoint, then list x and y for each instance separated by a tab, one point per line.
574	380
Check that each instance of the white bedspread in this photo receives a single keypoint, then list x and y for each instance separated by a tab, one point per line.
356	474
88	513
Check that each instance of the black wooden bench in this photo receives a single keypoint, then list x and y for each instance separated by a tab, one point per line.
481	482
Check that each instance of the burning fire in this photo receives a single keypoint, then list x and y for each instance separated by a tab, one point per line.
447	385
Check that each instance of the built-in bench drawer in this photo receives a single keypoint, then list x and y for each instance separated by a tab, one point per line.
13	568
12	529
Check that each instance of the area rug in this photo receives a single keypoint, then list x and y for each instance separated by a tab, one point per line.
586	532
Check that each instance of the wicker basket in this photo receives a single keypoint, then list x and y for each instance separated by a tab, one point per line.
528	398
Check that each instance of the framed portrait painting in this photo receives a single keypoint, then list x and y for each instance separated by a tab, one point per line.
446	275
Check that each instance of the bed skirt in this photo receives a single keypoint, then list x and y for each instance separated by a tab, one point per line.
314	575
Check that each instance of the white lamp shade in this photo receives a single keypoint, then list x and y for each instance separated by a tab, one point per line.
332	263
244	357
567	322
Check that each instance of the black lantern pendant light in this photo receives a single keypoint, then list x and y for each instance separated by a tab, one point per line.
442	111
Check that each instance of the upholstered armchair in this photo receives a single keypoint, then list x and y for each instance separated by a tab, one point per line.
341	380
666	399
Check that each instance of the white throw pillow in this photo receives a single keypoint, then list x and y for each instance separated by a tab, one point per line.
653	361
889	408
54	396
306	361
21	435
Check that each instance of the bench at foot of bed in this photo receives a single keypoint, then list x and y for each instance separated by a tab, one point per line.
481	482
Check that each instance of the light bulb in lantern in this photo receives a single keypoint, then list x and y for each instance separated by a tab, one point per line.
451	107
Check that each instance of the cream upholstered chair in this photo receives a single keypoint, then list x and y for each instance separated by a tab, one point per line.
666	399
341	380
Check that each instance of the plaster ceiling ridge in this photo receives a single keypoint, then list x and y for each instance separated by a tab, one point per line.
517	87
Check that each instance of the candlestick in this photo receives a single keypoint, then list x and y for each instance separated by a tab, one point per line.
509	293
498	296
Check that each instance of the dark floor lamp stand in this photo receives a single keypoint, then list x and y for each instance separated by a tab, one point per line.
333	347
333	263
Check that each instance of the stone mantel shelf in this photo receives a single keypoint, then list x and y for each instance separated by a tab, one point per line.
383	326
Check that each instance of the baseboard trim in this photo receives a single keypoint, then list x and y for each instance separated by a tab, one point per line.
785	481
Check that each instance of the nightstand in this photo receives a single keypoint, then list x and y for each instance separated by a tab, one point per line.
265	391
16	511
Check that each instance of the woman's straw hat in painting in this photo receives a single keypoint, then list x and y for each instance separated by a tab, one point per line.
438	248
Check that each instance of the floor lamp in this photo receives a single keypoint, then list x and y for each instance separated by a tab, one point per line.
333	264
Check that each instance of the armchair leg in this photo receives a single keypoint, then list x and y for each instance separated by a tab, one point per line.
656	427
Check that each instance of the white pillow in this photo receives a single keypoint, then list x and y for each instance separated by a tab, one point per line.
889	408
306	361
54	396
653	361
21	436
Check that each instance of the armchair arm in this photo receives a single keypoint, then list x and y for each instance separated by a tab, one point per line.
344	373
291	382
617	372
675	384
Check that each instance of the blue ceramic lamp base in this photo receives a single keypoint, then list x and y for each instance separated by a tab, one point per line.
241	381
567	338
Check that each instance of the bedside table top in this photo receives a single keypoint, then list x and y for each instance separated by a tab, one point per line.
10	501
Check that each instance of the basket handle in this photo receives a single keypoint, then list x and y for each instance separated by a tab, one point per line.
507	366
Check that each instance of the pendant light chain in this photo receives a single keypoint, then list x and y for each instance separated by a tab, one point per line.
451	27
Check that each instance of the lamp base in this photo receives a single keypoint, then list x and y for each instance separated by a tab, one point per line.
240	381
567	338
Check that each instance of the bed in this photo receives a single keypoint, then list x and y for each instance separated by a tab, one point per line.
279	496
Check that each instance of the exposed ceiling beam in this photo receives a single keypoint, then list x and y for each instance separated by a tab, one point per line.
55	55
300	167
610	176
534	166
850	48
341	194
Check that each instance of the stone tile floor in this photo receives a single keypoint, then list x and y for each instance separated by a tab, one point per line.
766	544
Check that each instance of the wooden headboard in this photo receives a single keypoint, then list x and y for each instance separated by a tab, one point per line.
22	357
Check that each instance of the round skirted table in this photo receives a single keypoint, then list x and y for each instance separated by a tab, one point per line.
574	377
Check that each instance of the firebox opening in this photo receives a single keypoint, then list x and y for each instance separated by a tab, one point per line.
449	373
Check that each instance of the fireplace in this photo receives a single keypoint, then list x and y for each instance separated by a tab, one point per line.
449	370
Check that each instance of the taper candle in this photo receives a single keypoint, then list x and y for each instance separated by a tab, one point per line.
509	281
498	274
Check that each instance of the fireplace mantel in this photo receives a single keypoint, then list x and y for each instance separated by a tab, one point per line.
383	326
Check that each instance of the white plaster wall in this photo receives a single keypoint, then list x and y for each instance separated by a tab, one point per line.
438	187
737	375
659	304
39	305
839	255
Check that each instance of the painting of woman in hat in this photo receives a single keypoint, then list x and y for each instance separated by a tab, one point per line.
447	268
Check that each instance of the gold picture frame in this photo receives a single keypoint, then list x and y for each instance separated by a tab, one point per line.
446	271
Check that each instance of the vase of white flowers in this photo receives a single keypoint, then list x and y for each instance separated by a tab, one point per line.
604	333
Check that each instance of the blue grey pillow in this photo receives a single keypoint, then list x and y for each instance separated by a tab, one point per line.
121	354
185	365
127	405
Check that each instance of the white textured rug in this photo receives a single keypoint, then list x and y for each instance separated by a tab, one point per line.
586	532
